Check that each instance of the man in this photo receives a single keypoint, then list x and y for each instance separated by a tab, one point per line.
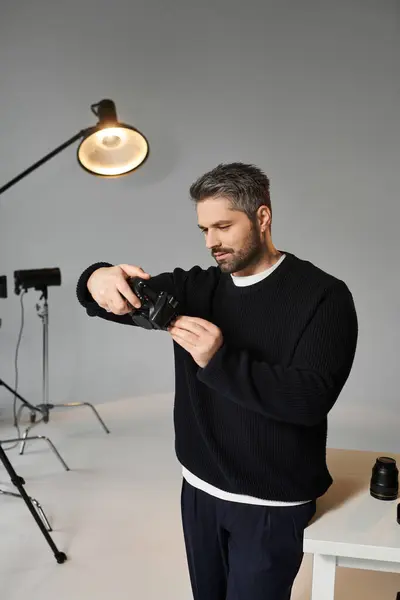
263	348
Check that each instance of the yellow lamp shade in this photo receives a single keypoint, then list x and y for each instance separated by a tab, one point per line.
112	151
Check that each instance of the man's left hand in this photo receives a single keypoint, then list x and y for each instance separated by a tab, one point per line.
199	337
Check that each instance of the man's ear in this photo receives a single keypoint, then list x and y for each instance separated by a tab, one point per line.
264	217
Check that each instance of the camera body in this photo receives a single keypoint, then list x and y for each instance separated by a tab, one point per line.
158	309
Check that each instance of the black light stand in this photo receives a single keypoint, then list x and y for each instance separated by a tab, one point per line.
34	278
38	514
51	275
19	483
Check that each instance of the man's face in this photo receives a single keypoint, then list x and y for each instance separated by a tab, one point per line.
233	240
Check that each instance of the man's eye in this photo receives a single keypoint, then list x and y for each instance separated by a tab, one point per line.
225	227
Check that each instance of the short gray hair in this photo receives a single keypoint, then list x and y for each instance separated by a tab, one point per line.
245	185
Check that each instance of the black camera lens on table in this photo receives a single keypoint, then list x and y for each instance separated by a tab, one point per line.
385	479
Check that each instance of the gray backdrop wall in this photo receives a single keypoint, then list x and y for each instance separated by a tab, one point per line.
308	90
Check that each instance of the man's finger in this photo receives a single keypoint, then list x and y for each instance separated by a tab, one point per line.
134	271
184	334
182	342
189	327
126	292
117	304
194	324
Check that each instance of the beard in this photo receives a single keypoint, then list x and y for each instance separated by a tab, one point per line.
250	254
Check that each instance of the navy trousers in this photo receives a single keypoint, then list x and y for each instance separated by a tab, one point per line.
241	551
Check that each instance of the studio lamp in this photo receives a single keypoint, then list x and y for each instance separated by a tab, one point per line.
108	149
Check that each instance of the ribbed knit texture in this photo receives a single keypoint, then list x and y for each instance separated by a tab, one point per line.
254	420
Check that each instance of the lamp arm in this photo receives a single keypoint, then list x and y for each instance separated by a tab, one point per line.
40	162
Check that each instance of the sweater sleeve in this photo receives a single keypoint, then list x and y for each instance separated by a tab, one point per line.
303	392
173	283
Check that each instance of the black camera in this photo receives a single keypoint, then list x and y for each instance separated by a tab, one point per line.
158	309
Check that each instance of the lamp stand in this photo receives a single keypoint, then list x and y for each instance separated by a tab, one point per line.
40	520
43	160
46	406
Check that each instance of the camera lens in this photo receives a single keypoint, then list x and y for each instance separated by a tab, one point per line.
385	479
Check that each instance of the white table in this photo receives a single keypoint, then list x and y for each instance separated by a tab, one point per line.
351	528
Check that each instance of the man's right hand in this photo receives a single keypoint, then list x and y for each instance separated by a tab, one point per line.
110	289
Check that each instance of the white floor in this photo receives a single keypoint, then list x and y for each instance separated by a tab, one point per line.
116	514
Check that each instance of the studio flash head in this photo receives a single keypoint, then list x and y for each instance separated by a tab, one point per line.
3	286
38	279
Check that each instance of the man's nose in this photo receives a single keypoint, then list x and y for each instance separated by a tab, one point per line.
212	240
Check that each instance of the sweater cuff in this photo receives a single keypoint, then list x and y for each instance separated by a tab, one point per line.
84	296
211	371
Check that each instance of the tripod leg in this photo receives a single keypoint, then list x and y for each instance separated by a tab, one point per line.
36	503
73	404
52	446
39	437
25	437
19	483
33	424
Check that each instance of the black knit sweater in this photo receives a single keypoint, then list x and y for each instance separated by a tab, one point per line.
254	420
